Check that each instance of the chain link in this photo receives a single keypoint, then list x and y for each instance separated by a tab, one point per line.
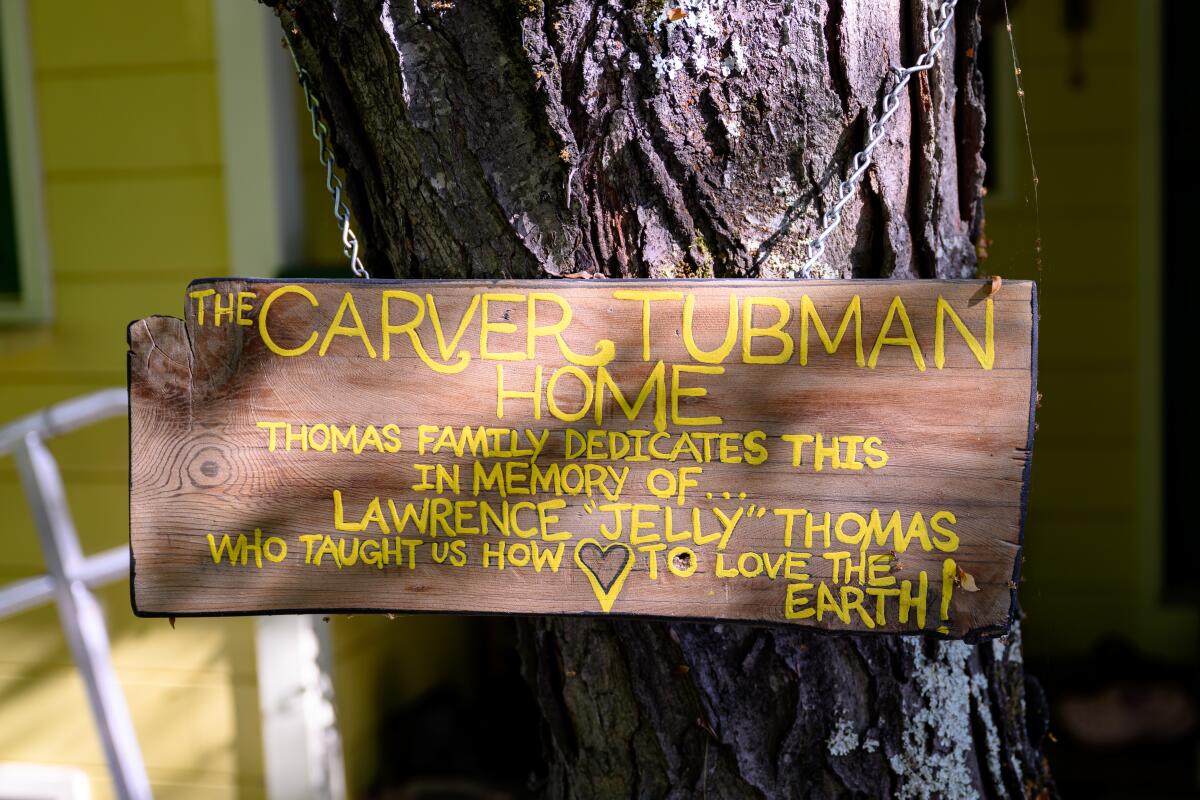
862	159
320	132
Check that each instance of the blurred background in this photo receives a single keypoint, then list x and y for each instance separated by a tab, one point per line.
135	157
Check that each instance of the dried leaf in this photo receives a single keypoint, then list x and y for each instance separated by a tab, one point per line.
967	581
172	621
676	14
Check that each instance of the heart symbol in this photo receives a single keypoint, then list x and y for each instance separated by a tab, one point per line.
614	560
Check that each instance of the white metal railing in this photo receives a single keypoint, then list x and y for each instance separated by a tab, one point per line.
72	575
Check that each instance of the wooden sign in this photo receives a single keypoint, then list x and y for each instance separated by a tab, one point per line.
845	455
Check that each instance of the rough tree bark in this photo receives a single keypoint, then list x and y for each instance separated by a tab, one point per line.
531	138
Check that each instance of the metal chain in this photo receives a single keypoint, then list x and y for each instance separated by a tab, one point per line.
320	132
862	159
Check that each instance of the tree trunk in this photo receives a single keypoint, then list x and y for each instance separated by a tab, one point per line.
524	138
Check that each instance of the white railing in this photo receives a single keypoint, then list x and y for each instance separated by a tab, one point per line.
72	575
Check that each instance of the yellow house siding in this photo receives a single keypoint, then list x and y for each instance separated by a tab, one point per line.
127	102
121	34
164	251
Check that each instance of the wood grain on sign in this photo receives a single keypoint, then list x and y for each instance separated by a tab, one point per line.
456	446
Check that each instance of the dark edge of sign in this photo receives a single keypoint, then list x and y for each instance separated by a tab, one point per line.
973	636
1014	607
129	439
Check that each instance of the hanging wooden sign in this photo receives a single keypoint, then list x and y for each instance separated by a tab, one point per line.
845	455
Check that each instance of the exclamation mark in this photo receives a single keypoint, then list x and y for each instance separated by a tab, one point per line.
949	573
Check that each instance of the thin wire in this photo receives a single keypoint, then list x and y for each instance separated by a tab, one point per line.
1037	210
862	159
320	132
